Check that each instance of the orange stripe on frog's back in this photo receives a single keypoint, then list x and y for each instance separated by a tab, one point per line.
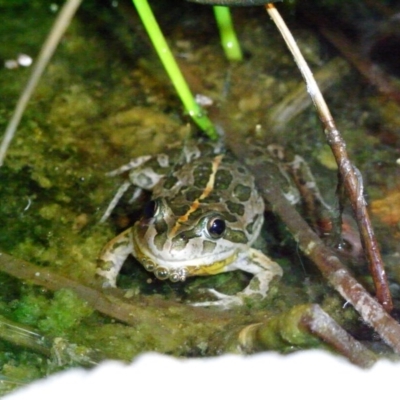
206	192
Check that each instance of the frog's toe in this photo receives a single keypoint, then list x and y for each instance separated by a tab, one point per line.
224	301
106	275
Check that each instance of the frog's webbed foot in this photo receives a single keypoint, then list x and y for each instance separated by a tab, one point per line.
224	301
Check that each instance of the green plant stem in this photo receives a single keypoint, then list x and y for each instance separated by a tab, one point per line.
227	32
170	65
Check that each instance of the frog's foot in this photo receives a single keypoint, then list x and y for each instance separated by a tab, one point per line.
107	273
144	178
224	301
113	256
264	271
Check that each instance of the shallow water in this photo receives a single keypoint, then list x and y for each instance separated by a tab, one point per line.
105	99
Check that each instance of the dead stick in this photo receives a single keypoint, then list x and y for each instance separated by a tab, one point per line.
347	172
49	47
300	326
322	325
324	257
110	302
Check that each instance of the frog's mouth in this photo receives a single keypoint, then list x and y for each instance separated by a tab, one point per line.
179	270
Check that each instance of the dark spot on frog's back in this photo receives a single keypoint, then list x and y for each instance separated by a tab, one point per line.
169	182
229	217
242	192
192	194
195	215
257	153
229	159
214	197
235	208
223	179
201	174
179	209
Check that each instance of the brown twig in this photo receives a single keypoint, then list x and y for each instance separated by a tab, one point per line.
110	303
221	331
319	323
347	172
298	325
354	189
165	326
324	257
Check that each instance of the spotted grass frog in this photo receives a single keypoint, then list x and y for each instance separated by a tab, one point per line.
203	217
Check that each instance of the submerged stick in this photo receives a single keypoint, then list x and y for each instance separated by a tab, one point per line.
59	351
302	325
314	248
20	335
221	330
347	171
295	102
59	27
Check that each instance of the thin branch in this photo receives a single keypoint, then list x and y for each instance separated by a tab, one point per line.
20	335
347	171
303	324
110	304
221	330
313	247
59	27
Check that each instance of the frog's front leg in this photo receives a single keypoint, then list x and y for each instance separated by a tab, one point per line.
113	255
256	263
142	174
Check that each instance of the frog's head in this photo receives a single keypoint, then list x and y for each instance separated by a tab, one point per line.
192	238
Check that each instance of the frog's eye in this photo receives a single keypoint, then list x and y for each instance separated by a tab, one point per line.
216	227
150	209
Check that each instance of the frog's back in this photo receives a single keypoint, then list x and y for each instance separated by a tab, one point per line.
207	179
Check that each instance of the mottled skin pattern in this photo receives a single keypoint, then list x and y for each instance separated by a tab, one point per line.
204	215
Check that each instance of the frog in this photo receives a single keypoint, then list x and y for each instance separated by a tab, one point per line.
203	217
